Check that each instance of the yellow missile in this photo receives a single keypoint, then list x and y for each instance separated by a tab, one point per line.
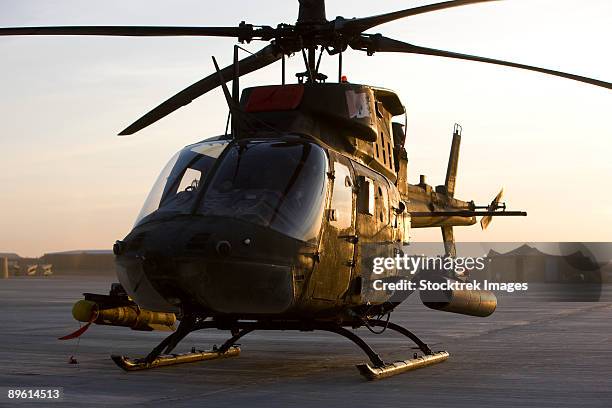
127	316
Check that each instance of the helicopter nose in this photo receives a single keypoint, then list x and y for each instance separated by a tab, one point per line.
216	264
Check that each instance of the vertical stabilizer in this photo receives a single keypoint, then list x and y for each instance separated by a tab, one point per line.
453	162
449	241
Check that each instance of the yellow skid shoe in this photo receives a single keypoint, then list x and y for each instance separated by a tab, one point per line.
129	364
388	370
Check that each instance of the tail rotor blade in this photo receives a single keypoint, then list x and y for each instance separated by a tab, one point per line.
486	220
496	200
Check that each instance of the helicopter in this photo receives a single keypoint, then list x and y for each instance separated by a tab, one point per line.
272	225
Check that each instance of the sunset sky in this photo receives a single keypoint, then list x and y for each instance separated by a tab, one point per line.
69	183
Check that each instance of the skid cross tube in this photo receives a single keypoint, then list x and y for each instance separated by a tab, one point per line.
244	328
230	342
239	329
374	358
395	327
169	343
247	327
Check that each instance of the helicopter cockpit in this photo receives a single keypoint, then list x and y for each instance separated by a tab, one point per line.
174	191
274	183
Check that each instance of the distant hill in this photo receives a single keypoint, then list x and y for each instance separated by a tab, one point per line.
86	262
10	255
75	262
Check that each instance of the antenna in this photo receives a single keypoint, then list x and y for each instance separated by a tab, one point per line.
232	105
283	70
340	66
235	90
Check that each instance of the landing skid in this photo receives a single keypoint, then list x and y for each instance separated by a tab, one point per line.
377	369
129	364
391	369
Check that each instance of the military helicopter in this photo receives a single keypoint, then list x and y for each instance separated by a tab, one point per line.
270	226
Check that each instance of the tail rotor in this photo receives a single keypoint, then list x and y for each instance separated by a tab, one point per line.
495	205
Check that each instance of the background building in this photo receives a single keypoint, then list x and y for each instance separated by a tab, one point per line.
529	264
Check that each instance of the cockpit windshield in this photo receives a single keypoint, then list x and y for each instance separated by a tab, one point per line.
176	187
276	184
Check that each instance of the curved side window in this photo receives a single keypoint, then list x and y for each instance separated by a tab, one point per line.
373	195
176	187
342	197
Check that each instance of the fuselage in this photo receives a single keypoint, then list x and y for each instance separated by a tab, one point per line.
262	227
282	218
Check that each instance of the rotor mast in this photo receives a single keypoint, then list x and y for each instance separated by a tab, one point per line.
311	14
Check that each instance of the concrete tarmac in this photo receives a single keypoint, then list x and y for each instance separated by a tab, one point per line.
529	353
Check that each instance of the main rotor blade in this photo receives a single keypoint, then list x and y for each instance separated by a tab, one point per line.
129	31
378	43
360	25
260	59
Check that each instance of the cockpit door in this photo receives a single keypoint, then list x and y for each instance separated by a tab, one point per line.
332	274
375	229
